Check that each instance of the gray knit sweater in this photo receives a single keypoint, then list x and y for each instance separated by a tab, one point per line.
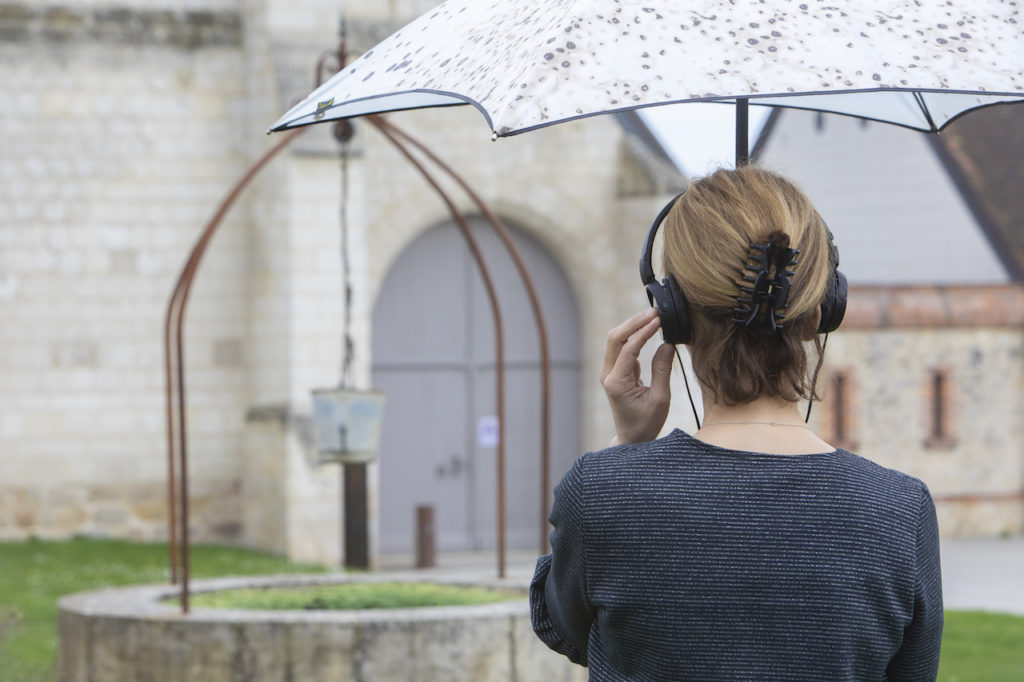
678	560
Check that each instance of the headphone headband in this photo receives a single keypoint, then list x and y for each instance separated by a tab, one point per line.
647	254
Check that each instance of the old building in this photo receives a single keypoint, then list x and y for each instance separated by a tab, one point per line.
129	124
126	123
926	374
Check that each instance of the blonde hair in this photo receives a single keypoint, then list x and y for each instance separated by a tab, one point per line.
708	234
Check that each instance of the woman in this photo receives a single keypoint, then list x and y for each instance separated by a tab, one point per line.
751	549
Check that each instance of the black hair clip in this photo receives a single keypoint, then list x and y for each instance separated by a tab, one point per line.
763	289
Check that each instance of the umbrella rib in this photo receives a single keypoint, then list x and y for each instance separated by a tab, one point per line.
919	98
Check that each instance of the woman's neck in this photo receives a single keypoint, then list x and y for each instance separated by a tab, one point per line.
770	410
765	425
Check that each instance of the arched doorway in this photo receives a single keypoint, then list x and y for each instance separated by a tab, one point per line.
433	353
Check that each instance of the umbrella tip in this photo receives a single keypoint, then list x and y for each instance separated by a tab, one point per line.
494	136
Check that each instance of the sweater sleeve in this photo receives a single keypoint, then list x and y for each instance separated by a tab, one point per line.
918	657
559	607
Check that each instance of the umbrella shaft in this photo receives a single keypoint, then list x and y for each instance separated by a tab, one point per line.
742	128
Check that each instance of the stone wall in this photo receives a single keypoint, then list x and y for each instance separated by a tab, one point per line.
121	132
131	633
892	342
141	23
128	124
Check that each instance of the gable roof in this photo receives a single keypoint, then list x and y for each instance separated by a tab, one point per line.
894	207
984	153
647	158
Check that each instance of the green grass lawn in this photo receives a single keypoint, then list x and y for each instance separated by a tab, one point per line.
34	574
982	646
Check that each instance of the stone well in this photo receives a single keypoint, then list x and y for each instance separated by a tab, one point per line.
131	633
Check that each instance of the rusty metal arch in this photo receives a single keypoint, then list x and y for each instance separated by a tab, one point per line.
174	366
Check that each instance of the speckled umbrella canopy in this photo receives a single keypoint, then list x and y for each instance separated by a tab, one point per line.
526	64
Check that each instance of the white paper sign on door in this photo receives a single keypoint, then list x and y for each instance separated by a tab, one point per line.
487	431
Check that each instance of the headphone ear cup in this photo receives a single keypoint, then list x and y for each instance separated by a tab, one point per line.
833	306
673	310
683	332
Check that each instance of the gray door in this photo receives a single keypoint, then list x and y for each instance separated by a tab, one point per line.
433	352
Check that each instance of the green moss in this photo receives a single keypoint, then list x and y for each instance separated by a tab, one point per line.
354	595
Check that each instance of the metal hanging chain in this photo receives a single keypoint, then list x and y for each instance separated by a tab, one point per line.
348	345
343	131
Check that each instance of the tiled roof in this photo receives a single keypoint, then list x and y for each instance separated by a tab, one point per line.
984	153
887	307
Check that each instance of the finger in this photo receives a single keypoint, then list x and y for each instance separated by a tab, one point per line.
661	370
618	336
630	350
636	374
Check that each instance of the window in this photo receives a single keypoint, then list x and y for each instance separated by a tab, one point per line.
839	421
840	427
939	410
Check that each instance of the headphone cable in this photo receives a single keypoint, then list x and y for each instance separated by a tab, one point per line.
686	382
682	369
814	379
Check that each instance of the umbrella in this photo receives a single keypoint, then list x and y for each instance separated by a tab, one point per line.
526	64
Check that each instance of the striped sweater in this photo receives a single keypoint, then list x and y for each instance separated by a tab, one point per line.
679	560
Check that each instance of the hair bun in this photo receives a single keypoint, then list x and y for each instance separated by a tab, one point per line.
778	254
779	240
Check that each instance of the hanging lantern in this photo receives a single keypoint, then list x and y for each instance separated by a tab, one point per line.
347	424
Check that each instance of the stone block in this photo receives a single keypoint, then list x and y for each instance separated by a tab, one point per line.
532	654
150	509
320	653
124	261
25	519
11	424
462	649
227	353
78	353
110	517
75	645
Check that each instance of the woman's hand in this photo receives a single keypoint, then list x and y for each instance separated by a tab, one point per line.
639	411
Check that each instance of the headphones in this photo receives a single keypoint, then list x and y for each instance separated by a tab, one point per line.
674	311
